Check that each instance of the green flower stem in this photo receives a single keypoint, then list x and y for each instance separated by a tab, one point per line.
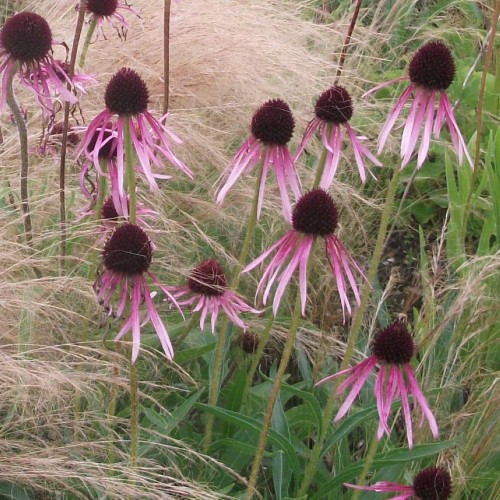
285	357
129	172
353	333
86	43
25	163
258	354
368	462
221	340
322	160
134	395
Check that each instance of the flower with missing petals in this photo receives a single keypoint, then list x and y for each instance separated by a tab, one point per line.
431	72
127	257
272	128
127	96
102	11
315	215
392	349
208	292
333	111
26	48
433	483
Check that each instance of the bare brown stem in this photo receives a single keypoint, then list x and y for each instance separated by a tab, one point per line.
347	40
166	55
64	139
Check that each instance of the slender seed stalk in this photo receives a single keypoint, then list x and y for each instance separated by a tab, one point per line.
264	337
266	423
347	41
353	333
64	139
25	162
166	55
368	462
221	340
88	40
479	115
134	394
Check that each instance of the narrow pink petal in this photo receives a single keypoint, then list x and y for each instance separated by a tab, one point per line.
291	173
356	371
420	398
406	407
264	255
440	117
335	375
383	487
416	127
426	136
393	116
262	186
308	241
410	120
333	145
355	390
279	170
311	128
384	84
379	397
215	311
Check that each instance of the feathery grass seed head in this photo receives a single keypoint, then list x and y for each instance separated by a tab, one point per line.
26	37
273	122
208	278
128	251
432	66
433	483
334	105
315	213
126	93
393	344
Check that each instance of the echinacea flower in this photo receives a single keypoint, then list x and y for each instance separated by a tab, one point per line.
392	349
127	257
207	290
127	96
431	72
272	128
109	11
26	48
333	111
432	483
315	215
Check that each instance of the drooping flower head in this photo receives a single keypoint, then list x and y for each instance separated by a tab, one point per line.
392	349
431	72
127	257
315	215
333	111
26	47
272	128
432	483
208	292
127	96
109	11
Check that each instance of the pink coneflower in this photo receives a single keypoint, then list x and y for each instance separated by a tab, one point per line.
26	47
315	214
272	128
334	110
431	72
127	256
433	483
127	96
109	11
392	349
207	290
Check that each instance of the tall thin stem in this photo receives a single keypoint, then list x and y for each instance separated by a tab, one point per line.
86	43
221	340
166	55
266	423
25	162
353	333
134	393
479	114
64	139
347	41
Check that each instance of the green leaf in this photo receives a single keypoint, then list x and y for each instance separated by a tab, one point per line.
255	425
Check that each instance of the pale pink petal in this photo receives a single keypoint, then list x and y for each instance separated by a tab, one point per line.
406	408
384	84
384	487
311	128
426	136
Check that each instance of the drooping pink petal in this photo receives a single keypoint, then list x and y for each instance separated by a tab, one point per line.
426	136
361	150
406	408
384	487
379	398
311	128
420	399
333	146
385	84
